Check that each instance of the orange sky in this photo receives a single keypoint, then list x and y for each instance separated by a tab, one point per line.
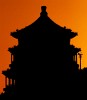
16	14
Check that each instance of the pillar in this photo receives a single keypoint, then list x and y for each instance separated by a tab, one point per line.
73	57
76	58
80	62
80	56
9	82
5	81
11	58
12	81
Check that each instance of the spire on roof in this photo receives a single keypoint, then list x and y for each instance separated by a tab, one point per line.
43	11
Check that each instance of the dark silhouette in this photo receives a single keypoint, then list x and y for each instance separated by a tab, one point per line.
42	61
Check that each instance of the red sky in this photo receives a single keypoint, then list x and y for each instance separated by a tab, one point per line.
16	14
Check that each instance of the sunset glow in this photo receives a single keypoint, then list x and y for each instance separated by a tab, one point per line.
16	14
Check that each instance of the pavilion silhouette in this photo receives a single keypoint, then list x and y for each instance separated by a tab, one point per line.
42	59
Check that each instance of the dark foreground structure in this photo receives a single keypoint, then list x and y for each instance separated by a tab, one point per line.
42	61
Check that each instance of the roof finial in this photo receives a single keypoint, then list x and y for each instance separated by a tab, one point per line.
43	9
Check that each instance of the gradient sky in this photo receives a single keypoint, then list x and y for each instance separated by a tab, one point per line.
16	14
